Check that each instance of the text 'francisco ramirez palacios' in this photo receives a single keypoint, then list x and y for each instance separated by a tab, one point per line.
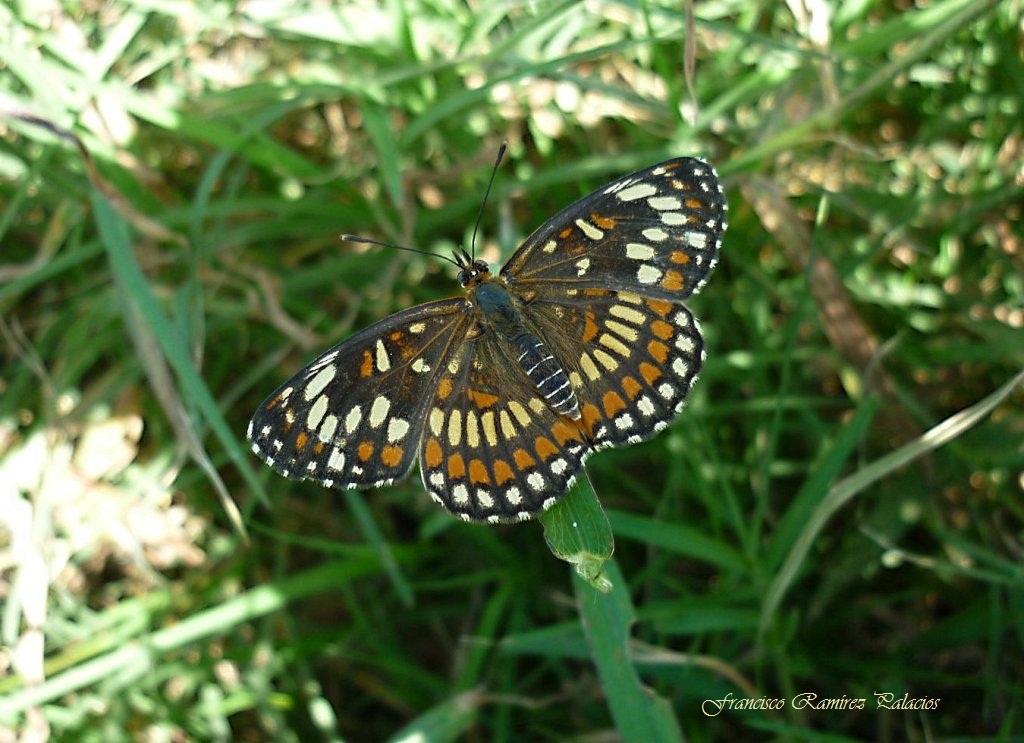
810	700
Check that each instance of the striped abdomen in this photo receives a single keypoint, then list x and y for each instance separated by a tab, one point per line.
545	373
499	309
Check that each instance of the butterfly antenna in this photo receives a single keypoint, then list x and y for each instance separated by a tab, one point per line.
371	241
480	214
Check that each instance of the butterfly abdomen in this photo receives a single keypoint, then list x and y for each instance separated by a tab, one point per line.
504	318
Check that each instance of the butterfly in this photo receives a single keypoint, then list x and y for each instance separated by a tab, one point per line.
579	342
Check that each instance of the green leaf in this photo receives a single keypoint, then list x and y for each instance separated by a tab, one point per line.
577	531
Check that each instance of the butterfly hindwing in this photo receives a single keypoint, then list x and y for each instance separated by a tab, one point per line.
656	232
631	360
492	449
353	417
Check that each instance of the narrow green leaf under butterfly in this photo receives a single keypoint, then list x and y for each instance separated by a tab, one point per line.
580	342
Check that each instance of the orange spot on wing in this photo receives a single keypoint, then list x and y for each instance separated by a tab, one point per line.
319	448
391	455
694	204
590	329
483	400
673	281
523	459
444	388
544	448
502	472
300	440
564	234
657	350
631	387
396	335
432	453
678	256
366	368
364	451
613	403
456	467
662	329
605	223
590	415
596	292
649	372
478	473
564	432
660	306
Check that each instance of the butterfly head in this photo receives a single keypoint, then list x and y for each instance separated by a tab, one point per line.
472	271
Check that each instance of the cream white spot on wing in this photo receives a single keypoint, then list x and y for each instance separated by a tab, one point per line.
519	412
697	240
417	327
460	493
535	480
317	411
637	191
383	360
397	429
327	429
490	431
589	230
436	420
513	496
624	331
624	421
355	415
645	406
455	427
664	203
337	459
655	234
685	344
508	429
673	219
627	313
320	380
484	499
606	360
582	266
379	411
610	341
472	429
648	274
589	367
639	251
419	366
680	367
549	246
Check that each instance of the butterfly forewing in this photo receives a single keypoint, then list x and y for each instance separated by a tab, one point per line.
353	417
656	232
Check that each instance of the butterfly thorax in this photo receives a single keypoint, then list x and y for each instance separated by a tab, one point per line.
500	313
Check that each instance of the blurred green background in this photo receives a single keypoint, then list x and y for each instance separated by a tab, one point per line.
806	527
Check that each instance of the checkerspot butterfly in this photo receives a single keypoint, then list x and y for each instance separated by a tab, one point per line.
579	343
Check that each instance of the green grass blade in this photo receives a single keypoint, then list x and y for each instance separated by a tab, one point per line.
639	714
848	488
